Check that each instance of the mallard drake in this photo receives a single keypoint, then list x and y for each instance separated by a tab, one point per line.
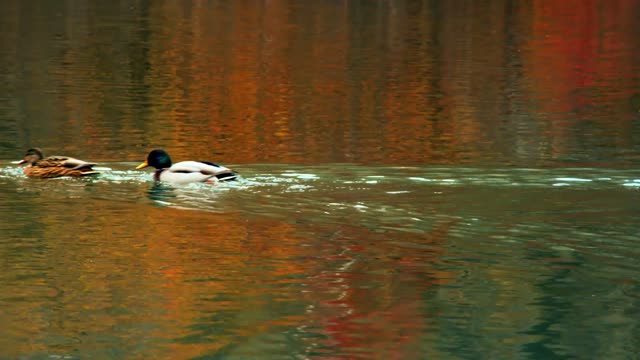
185	172
54	166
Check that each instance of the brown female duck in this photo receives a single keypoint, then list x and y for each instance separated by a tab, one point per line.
54	166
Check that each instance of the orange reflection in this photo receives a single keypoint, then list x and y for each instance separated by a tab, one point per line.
395	82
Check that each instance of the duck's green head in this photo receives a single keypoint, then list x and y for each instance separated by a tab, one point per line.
158	158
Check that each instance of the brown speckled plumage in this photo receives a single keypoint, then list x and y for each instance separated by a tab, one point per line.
55	166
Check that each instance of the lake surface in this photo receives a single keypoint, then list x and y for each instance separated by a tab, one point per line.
419	179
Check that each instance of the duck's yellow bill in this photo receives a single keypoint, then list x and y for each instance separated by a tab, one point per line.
143	165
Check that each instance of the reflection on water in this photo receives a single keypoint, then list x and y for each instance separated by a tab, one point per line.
419	179
326	261
280	82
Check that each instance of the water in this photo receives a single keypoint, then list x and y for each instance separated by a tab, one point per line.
418	180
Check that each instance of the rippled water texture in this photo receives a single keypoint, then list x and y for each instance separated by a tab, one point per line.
418	179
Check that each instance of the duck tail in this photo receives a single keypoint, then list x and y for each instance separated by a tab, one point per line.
227	176
87	166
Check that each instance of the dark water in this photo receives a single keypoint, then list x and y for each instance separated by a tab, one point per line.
434	179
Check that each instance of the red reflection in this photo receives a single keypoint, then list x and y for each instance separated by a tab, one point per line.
378	311
582	70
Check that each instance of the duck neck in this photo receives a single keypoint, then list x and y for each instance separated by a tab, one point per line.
156	175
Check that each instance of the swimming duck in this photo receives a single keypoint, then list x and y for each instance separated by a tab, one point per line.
54	166
185	171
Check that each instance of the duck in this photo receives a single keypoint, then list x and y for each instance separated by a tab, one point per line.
54	166
185	172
